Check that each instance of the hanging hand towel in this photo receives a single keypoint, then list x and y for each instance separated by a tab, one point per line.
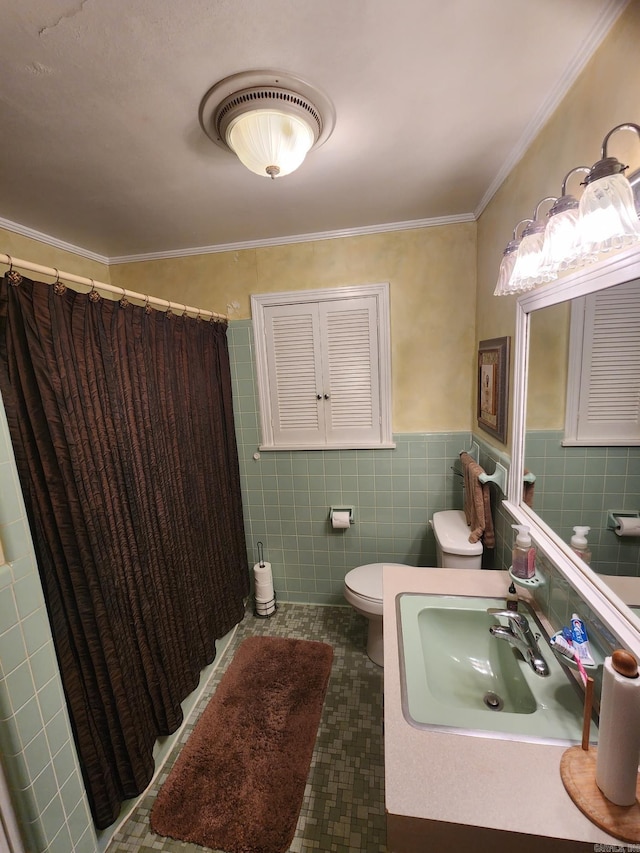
527	491
477	503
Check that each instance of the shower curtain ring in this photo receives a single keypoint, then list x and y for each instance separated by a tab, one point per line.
124	302
94	296
168	312
184	313
147	308
14	278
58	287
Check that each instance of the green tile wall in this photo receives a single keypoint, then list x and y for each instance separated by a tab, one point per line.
578	485
38	753
287	496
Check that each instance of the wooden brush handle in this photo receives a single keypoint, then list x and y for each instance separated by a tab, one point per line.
586	721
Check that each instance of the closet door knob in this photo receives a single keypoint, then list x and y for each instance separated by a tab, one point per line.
318	396
326	396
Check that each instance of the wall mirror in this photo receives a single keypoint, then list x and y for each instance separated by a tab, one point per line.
576	483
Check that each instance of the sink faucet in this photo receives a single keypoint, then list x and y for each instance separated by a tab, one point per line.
518	634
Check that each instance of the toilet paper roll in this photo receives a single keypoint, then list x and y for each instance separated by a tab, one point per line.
627	526
264	591
341	519
267	598
619	736
265	608
262	572
263	581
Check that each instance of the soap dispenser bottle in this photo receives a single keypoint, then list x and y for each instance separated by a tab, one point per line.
579	544
524	554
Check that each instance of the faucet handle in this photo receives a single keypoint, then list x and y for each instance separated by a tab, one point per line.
518	619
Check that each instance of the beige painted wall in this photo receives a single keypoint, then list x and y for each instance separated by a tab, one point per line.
29	249
605	95
437	314
431	272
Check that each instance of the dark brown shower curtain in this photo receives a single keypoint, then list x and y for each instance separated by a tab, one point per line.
122	425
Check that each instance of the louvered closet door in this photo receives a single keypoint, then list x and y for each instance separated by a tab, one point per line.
610	382
295	381
350	366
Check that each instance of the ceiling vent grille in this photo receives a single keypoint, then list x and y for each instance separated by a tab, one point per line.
234	95
254	97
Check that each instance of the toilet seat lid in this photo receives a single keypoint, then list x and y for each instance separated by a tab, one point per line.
366	581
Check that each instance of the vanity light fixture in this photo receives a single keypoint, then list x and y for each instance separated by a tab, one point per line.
608	219
527	272
605	219
508	261
269	119
562	246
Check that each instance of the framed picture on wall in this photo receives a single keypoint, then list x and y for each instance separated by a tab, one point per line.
493	386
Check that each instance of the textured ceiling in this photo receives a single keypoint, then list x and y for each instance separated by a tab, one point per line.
101	146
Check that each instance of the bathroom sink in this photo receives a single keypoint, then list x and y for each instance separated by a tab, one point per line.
455	675
463	663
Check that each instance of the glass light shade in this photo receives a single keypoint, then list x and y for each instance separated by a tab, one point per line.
526	272
506	269
607	216
634	182
269	142
562	247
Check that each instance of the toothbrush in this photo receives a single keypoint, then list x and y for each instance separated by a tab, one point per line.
568	636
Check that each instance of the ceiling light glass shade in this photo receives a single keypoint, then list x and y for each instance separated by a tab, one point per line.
269	142
607	216
527	270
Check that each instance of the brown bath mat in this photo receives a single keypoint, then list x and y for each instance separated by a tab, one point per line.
238	782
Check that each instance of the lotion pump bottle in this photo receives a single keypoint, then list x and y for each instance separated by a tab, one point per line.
524	554
579	544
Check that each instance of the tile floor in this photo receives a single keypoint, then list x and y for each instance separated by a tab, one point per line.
343	807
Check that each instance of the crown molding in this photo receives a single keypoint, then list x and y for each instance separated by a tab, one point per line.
296	238
24	231
608	17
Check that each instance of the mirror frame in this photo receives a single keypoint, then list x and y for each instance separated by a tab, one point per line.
609	272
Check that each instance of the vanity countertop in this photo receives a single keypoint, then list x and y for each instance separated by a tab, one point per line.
627	588
452	789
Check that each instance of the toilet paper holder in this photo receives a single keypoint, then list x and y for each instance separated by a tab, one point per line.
614	514
341	509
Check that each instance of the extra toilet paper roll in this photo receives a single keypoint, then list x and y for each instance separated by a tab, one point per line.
263	579
265	608
262	572
340	519
619	735
627	526
264	592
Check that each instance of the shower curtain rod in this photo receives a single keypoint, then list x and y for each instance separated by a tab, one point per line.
11	262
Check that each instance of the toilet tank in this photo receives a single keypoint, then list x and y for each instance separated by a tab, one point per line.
454	551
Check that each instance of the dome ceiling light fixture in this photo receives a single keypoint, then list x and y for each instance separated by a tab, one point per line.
269	119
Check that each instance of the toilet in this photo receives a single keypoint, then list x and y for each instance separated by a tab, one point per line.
363	585
453	549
